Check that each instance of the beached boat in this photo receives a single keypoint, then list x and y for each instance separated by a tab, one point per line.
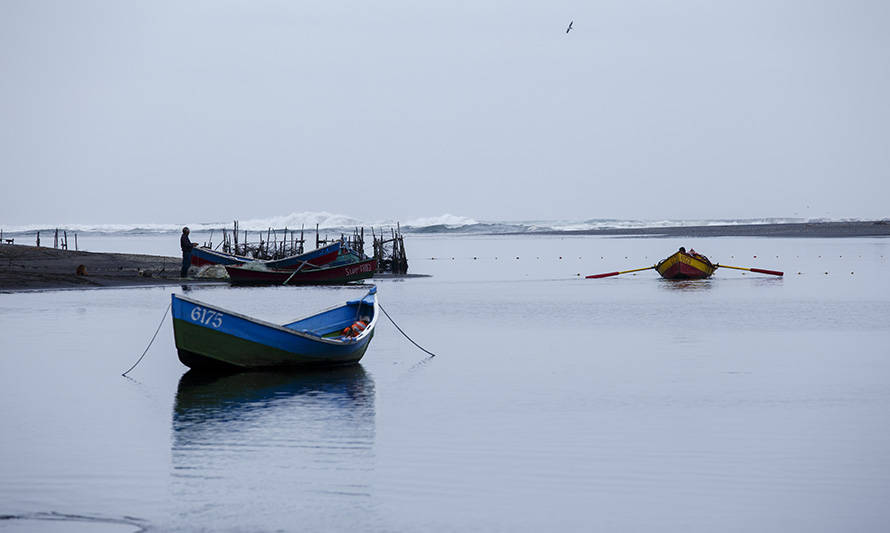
210	337
202	256
318	257
347	256
257	275
685	265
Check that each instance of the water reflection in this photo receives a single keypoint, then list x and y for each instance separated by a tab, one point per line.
216	403
686	285
250	438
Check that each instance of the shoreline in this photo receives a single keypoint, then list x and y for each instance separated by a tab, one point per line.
27	268
876	228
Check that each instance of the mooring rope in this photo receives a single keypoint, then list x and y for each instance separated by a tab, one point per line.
403	333
152	340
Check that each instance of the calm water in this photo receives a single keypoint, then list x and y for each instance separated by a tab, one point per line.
740	403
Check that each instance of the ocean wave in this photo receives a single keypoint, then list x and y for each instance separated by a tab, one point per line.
442	224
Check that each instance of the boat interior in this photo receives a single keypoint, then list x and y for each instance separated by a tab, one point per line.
331	323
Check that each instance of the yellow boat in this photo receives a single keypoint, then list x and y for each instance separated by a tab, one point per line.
685	265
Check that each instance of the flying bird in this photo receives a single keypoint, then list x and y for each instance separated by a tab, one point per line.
570	26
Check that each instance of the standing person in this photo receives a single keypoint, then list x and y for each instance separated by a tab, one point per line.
186	246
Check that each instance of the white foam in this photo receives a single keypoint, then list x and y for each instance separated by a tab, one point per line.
448	220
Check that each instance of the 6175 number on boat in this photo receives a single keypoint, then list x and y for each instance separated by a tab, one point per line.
207	317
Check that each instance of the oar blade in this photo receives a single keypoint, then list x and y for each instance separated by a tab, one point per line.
772	272
595	276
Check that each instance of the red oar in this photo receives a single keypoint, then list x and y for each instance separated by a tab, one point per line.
760	270
617	273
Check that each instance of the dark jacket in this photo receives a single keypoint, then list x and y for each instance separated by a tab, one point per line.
185	243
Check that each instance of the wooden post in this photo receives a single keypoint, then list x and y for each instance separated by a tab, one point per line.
235	236
75	242
38	239
65	245
403	264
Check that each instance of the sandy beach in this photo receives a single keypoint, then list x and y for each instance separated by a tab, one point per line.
31	267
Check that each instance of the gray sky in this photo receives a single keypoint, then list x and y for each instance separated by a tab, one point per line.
166	111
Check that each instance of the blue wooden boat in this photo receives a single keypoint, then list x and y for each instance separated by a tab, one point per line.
202	256
212	338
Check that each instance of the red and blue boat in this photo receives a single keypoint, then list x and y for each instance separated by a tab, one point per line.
253	274
202	256
212	338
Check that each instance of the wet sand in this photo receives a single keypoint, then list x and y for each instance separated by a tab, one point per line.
31	267
24	268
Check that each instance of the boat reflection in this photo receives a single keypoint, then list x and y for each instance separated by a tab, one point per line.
212	406
686	285
305	440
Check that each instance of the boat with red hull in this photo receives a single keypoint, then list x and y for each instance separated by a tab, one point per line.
245	275
202	256
685	265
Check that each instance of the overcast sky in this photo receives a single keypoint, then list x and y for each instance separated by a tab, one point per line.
169	111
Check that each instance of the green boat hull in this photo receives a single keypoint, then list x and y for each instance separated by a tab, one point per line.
204	348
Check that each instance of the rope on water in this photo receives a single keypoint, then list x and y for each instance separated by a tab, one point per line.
152	340
403	333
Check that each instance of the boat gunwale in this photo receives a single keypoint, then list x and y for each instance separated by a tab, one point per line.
291	257
328	340
226	255
705	261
